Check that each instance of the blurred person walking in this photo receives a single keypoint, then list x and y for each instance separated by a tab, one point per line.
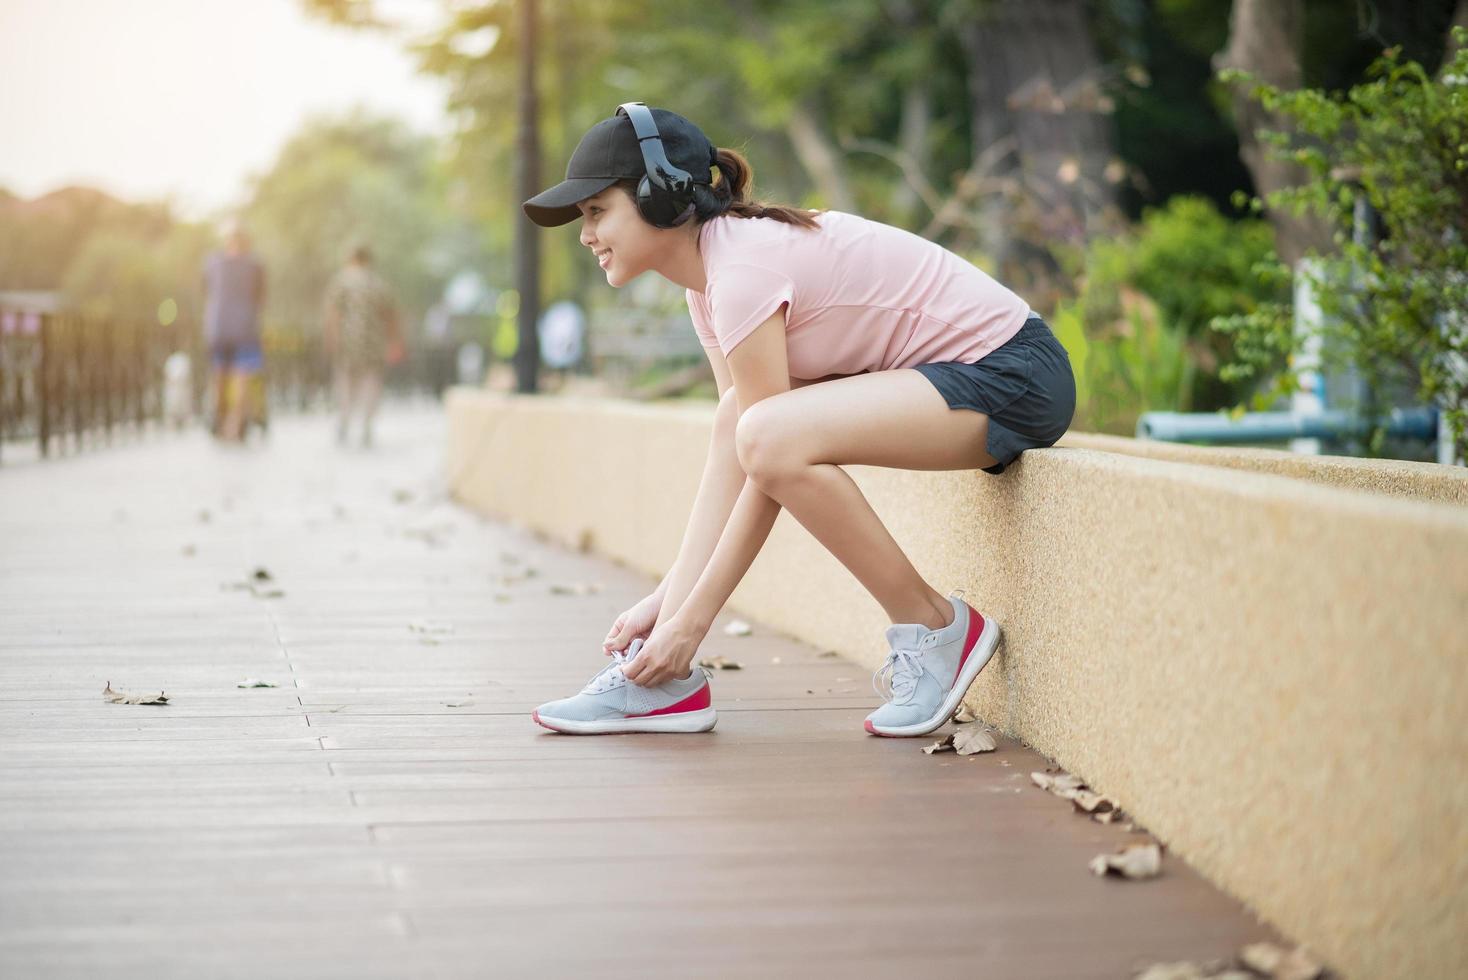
234	290
363	337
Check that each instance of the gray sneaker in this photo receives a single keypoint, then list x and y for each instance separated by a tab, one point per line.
931	670
611	703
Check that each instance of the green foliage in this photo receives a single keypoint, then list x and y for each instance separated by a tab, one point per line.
1137	364
40	240
125	274
1393	308
343	181
1138	330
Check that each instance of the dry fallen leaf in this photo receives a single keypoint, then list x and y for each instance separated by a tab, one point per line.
720	663
972	739
737	627
1086	801
944	744
1186	970
431	536
963	715
1063	785
431	628
1132	861
575	588
1280	963
252	682
122	697
1173	971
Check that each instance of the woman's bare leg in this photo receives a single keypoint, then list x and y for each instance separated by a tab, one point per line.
791	444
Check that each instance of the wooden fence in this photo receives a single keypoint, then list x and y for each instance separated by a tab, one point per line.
69	381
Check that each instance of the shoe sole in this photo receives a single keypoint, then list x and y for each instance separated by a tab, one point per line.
686	721
983	649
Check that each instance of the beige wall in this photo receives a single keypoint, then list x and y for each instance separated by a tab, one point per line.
1269	672
1415	481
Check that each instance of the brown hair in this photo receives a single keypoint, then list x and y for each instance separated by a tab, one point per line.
730	194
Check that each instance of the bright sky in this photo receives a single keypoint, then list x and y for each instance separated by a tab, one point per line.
182	99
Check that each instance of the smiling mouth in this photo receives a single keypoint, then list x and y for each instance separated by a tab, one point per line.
602	257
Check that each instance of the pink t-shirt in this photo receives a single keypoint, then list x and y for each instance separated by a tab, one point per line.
863	296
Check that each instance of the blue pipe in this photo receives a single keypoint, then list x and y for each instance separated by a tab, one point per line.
1408	423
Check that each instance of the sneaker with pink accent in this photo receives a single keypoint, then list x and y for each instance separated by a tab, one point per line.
610	703
931	670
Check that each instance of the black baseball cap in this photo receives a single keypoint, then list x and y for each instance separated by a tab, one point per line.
609	153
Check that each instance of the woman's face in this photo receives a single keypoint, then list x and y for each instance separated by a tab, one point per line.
624	244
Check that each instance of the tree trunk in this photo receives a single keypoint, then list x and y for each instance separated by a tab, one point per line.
1034	76
527	237
917	117
912	141
1265	39
819	157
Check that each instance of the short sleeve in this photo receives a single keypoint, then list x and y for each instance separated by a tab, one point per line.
744	296
698	312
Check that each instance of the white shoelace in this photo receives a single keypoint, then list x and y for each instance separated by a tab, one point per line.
906	667
611	675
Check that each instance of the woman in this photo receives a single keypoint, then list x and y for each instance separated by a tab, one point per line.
834	340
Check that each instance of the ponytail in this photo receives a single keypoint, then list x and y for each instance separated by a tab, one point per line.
730	194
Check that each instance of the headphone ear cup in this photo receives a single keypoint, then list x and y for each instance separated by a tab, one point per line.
656	205
646	205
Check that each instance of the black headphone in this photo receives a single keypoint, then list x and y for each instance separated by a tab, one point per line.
665	193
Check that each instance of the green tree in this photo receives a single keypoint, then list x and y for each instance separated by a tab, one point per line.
125	274
1394	306
345	180
41	238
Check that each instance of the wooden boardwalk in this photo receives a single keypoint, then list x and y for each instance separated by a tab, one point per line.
389	810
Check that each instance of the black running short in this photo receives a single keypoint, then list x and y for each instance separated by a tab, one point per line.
1025	386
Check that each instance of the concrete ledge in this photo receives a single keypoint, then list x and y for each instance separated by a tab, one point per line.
1410	480
1268	671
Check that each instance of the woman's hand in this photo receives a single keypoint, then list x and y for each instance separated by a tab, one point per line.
666	655
632	624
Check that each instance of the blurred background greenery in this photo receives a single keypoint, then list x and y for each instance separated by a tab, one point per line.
1086	152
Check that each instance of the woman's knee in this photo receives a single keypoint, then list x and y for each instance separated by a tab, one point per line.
761	444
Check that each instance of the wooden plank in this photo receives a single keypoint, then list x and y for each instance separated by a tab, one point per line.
351	823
